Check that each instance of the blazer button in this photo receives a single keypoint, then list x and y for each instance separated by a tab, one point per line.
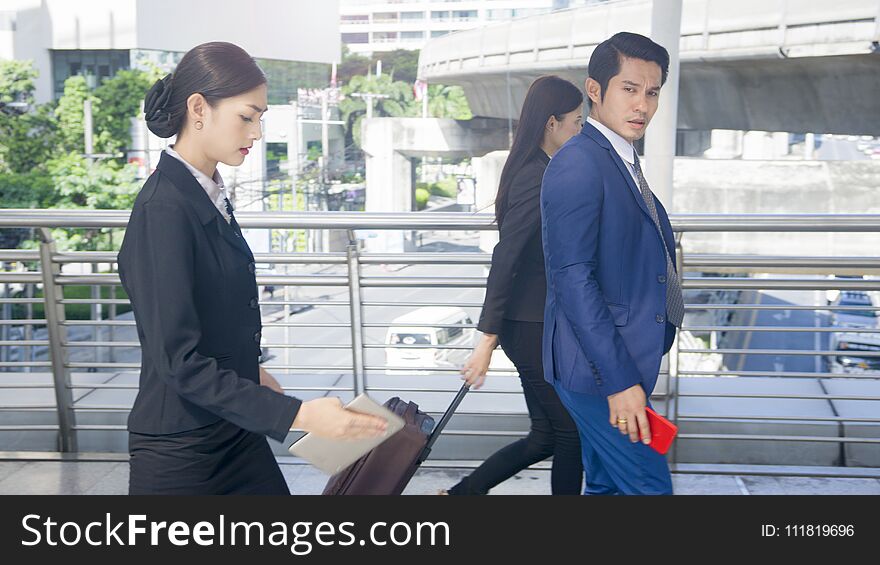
252	267
257	337
661	279
660	319
254	303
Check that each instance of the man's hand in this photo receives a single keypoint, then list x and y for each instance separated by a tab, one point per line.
627	413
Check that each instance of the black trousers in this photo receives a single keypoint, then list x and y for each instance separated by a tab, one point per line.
553	432
218	459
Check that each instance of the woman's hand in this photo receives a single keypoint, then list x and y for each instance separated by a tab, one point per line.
475	368
268	381
326	417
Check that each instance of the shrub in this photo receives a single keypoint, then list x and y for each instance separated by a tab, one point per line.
422	196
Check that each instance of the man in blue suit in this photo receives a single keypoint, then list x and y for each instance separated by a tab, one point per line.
613	295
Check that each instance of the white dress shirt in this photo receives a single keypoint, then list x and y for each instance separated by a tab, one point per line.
623	147
213	186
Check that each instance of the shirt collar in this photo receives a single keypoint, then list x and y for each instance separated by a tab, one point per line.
212	185
623	147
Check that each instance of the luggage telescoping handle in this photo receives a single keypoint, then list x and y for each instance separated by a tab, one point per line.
444	420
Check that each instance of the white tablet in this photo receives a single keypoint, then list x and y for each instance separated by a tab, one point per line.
334	455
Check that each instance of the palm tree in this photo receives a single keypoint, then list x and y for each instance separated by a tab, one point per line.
397	102
448	102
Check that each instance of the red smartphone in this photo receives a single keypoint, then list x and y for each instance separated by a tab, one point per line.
662	431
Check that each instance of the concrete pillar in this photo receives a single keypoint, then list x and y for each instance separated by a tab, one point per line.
754	145
388	182
780	144
809	146
391	144
389	173
487	171
7	35
660	137
765	145
725	144
26	35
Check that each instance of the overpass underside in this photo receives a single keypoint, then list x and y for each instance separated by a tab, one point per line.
754	65
814	94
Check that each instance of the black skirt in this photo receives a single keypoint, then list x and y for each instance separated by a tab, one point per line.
220	458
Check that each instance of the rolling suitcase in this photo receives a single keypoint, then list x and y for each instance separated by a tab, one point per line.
388	468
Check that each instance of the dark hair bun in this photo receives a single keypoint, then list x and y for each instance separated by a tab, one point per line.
156	111
216	70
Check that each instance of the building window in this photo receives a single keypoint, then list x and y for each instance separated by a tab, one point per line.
412	16
286	77
355	19
96	65
440	33
440	16
384	17
412	35
524	12
384	36
502	14
356	37
464	15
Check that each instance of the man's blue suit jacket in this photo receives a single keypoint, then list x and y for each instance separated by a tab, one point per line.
605	326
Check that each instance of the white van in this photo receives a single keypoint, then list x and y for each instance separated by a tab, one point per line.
849	342
419	328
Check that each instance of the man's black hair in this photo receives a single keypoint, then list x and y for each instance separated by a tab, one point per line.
606	58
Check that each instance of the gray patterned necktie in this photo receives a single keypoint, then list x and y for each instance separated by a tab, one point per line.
230	217
674	300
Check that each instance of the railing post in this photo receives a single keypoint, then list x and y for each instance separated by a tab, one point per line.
6	312
356	306
674	353
52	294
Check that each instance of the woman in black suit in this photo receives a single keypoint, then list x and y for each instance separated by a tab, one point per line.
204	405
513	310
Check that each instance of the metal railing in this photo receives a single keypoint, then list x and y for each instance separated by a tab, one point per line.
360	283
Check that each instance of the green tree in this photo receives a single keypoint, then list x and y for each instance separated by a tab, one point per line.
32	189
100	185
41	150
400	64
448	102
103	185
120	99
17	81
397	102
70	115
26	142
351	66
27	138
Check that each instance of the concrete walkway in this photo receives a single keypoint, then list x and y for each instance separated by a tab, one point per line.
111	477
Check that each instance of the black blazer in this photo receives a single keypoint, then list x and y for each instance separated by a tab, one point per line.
516	286
190	278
